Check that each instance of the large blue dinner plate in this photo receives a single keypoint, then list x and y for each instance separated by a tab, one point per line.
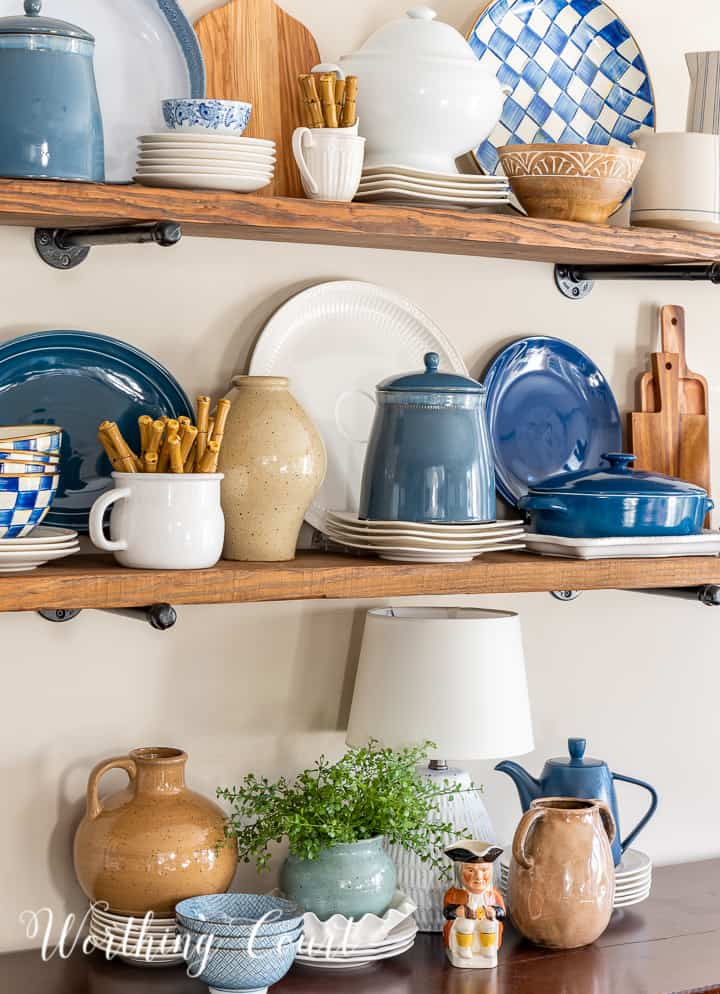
77	379
550	410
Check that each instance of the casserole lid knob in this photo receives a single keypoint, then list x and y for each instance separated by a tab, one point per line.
431	380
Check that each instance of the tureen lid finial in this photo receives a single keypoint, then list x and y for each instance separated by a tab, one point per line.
33	7
422	13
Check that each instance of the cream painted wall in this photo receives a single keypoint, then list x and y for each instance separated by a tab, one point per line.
266	687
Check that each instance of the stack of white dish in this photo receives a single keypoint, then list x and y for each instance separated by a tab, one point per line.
411	542
192	160
403	185
635	547
20	555
633	877
147	941
352	951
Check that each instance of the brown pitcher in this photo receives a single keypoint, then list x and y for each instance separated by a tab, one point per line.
562	877
153	843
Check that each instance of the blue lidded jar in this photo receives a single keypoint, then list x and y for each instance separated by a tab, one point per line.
50	121
429	457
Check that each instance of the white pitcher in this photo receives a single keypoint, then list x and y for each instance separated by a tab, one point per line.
704	101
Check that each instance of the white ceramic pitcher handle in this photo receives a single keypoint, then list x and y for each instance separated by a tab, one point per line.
297	144
96	521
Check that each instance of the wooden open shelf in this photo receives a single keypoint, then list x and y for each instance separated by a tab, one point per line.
96	582
38	203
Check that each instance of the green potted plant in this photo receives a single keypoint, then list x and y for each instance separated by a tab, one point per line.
336	818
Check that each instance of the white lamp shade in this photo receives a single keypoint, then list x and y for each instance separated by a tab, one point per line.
455	676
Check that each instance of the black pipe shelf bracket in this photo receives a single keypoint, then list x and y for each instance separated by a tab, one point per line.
709	594
161	617
67	248
577	281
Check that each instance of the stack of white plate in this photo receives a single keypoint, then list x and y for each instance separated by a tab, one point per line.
195	160
410	542
347	956
20	555
401	185
633	877
148	941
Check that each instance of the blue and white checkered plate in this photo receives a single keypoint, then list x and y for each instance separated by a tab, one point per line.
574	71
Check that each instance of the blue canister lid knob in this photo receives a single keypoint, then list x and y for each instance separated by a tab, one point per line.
576	748
33	7
619	460
432	362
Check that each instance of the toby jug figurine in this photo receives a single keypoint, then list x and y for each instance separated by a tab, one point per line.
580	776
473	909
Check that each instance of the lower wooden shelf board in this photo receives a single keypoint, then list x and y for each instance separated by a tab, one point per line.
97	582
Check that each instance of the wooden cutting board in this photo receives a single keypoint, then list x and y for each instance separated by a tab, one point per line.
254	51
693	388
671	433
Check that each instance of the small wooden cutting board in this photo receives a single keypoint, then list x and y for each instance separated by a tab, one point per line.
254	51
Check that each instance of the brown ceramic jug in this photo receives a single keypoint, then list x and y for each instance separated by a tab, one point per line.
562	876
153	843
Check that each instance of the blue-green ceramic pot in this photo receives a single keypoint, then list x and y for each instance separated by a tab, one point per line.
351	879
50	121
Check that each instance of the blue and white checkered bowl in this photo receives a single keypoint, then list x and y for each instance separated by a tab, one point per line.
25	499
238	971
30	438
49	460
220	117
236	915
15	467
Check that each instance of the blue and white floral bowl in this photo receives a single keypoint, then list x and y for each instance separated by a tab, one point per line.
220	117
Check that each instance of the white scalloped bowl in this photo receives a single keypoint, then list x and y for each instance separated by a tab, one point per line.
366	931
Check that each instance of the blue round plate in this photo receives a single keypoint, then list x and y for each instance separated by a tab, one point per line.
77	379
550	410
573	71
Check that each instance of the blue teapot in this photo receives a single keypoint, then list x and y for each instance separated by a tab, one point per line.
579	776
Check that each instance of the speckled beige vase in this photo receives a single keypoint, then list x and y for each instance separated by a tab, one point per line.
153	843
274	462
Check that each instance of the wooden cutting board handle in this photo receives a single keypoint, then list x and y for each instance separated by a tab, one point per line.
672	334
655	436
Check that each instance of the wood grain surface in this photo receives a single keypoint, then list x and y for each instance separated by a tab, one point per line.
254	51
670	943
40	203
96	582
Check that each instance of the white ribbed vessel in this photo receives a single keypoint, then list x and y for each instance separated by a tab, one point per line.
421	882
330	161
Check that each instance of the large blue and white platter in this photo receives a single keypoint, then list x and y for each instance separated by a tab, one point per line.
550	410
145	52
573	71
77	379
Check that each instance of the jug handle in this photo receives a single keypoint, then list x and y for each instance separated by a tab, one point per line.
94	807
608	821
523	830
648	814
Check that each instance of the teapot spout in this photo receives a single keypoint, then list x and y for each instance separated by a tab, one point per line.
528	787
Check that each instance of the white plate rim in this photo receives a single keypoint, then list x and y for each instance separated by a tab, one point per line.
329	963
483	201
394	167
277	331
438	544
191	181
173	138
498	524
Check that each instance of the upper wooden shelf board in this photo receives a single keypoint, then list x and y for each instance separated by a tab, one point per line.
37	203
96	582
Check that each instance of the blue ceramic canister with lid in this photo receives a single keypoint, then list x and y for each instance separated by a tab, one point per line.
429	458
50	121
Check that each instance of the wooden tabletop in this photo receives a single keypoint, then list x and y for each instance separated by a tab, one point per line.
669	944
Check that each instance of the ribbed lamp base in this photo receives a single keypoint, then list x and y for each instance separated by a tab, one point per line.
422	883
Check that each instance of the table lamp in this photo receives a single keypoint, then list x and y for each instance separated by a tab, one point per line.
456	677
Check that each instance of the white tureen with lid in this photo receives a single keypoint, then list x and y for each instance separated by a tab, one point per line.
424	99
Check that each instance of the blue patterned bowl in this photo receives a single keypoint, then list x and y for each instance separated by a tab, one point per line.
238	971
261	941
236	915
30	438
13	467
25	499
223	117
47	460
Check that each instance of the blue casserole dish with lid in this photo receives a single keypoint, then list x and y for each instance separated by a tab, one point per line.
615	501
